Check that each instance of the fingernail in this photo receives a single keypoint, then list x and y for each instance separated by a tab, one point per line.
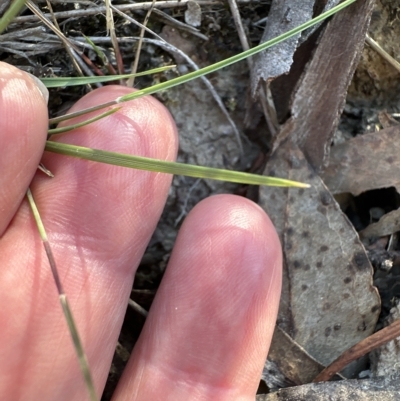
42	88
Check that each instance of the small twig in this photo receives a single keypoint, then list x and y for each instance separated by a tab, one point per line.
72	50
167	19
123	7
131	81
362	348
184	206
267	107
133	21
68	46
135	306
374	45
113	36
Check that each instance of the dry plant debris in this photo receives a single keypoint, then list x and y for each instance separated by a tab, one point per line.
273	62
366	162
387	225
355	390
289	364
320	94
386	359
328	302
385	362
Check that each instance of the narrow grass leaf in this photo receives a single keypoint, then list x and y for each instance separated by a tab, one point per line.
12	11
74	81
162	166
211	68
71	127
63	300
98	50
234	59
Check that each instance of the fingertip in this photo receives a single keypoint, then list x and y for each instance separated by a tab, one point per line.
133	197
154	126
239	232
212	321
239	227
23	130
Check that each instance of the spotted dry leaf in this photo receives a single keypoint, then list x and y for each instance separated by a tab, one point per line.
369	161
328	302
290	363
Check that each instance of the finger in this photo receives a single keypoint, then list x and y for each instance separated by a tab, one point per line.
99	219
211	324
23	129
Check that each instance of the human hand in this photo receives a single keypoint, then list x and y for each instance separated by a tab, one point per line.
210	326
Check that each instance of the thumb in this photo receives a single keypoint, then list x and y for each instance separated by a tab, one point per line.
23	130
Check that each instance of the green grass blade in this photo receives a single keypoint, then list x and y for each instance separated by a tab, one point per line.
162	166
82	124
63	300
99	52
211	68
74	81
234	59
11	13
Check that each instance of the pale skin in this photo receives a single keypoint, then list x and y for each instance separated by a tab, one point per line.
210	326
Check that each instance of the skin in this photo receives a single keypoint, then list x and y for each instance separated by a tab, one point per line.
210	327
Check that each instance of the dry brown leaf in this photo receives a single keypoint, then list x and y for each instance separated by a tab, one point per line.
328	302
277	60
290	361
387	225
369	161
387	120
321	93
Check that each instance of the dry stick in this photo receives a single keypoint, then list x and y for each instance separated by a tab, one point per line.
374	45
131	81
123	7
75	55
138	308
71	49
268	109
36	11
357	351
168	20
113	36
84	365
130	19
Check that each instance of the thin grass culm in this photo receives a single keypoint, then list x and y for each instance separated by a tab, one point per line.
64	301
